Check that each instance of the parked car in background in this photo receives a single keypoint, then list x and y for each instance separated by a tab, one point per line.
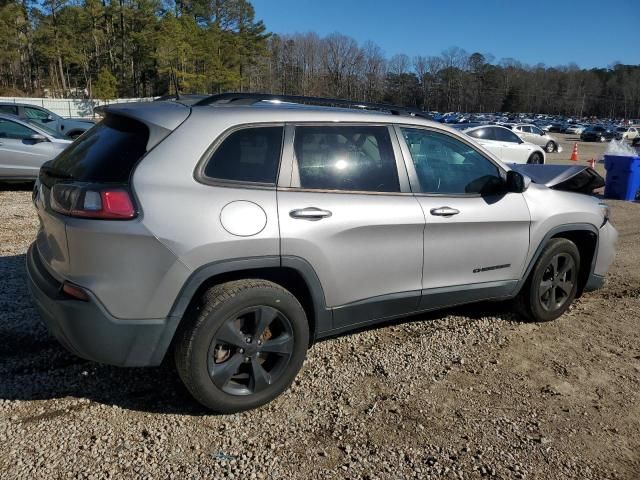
627	133
506	145
575	129
597	133
70	127
537	136
24	146
556	127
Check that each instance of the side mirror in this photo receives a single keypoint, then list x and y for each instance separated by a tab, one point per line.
37	138
516	182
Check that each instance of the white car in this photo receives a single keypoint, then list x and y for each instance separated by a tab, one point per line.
537	136
627	133
506	145
576	129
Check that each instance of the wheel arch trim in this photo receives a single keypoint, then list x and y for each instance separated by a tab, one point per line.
555	231
323	316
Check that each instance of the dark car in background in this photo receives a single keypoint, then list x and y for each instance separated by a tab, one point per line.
597	133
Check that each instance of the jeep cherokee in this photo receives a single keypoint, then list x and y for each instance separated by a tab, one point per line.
236	231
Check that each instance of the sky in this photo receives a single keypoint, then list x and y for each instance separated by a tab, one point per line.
590	33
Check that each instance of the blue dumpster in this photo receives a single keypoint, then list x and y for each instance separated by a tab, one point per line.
622	181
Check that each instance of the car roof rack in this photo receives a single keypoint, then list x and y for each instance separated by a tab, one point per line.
253	98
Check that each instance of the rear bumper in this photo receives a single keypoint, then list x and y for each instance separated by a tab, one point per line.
87	330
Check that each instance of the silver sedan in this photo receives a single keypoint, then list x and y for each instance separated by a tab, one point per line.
25	146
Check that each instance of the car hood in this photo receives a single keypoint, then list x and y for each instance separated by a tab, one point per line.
571	178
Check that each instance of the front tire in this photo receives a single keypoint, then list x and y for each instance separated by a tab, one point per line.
552	283
243	346
535	158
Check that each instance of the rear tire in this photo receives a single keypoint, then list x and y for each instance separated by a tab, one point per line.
552	283
243	346
550	147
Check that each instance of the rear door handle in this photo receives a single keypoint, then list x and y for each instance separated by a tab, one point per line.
444	211
310	213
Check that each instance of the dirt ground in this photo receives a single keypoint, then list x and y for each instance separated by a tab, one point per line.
466	393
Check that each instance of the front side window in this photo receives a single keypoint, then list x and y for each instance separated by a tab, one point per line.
357	158
537	131
14	131
247	155
445	165
36	113
504	135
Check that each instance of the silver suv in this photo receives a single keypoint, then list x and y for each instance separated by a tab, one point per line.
237	231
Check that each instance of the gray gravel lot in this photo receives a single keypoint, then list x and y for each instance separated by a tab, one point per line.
465	393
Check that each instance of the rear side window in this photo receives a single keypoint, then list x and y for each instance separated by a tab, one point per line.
357	158
9	109
106	153
247	155
483	133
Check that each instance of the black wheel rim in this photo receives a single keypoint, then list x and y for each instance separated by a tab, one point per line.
557	282
250	351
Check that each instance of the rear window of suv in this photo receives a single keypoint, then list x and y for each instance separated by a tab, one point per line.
107	153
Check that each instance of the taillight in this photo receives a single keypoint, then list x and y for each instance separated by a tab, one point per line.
90	201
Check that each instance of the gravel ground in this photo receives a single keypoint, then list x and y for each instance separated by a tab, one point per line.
464	393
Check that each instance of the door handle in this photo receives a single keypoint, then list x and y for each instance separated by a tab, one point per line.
444	211
310	213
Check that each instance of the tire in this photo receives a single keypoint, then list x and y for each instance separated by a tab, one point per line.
220	337
535	301
535	158
550	147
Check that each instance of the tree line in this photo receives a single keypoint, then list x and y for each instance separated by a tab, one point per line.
137	48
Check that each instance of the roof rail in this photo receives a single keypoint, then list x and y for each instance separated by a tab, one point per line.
253	98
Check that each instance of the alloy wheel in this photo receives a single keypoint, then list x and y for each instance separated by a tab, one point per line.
250	350
557	282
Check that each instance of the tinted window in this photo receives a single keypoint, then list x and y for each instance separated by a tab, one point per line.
358	158
13	130
446	165
105	153
536	130
483	133
247	155
9	109
504	135
36	113
525	129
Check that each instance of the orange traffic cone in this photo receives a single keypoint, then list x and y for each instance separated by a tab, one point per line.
574	154
592	163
